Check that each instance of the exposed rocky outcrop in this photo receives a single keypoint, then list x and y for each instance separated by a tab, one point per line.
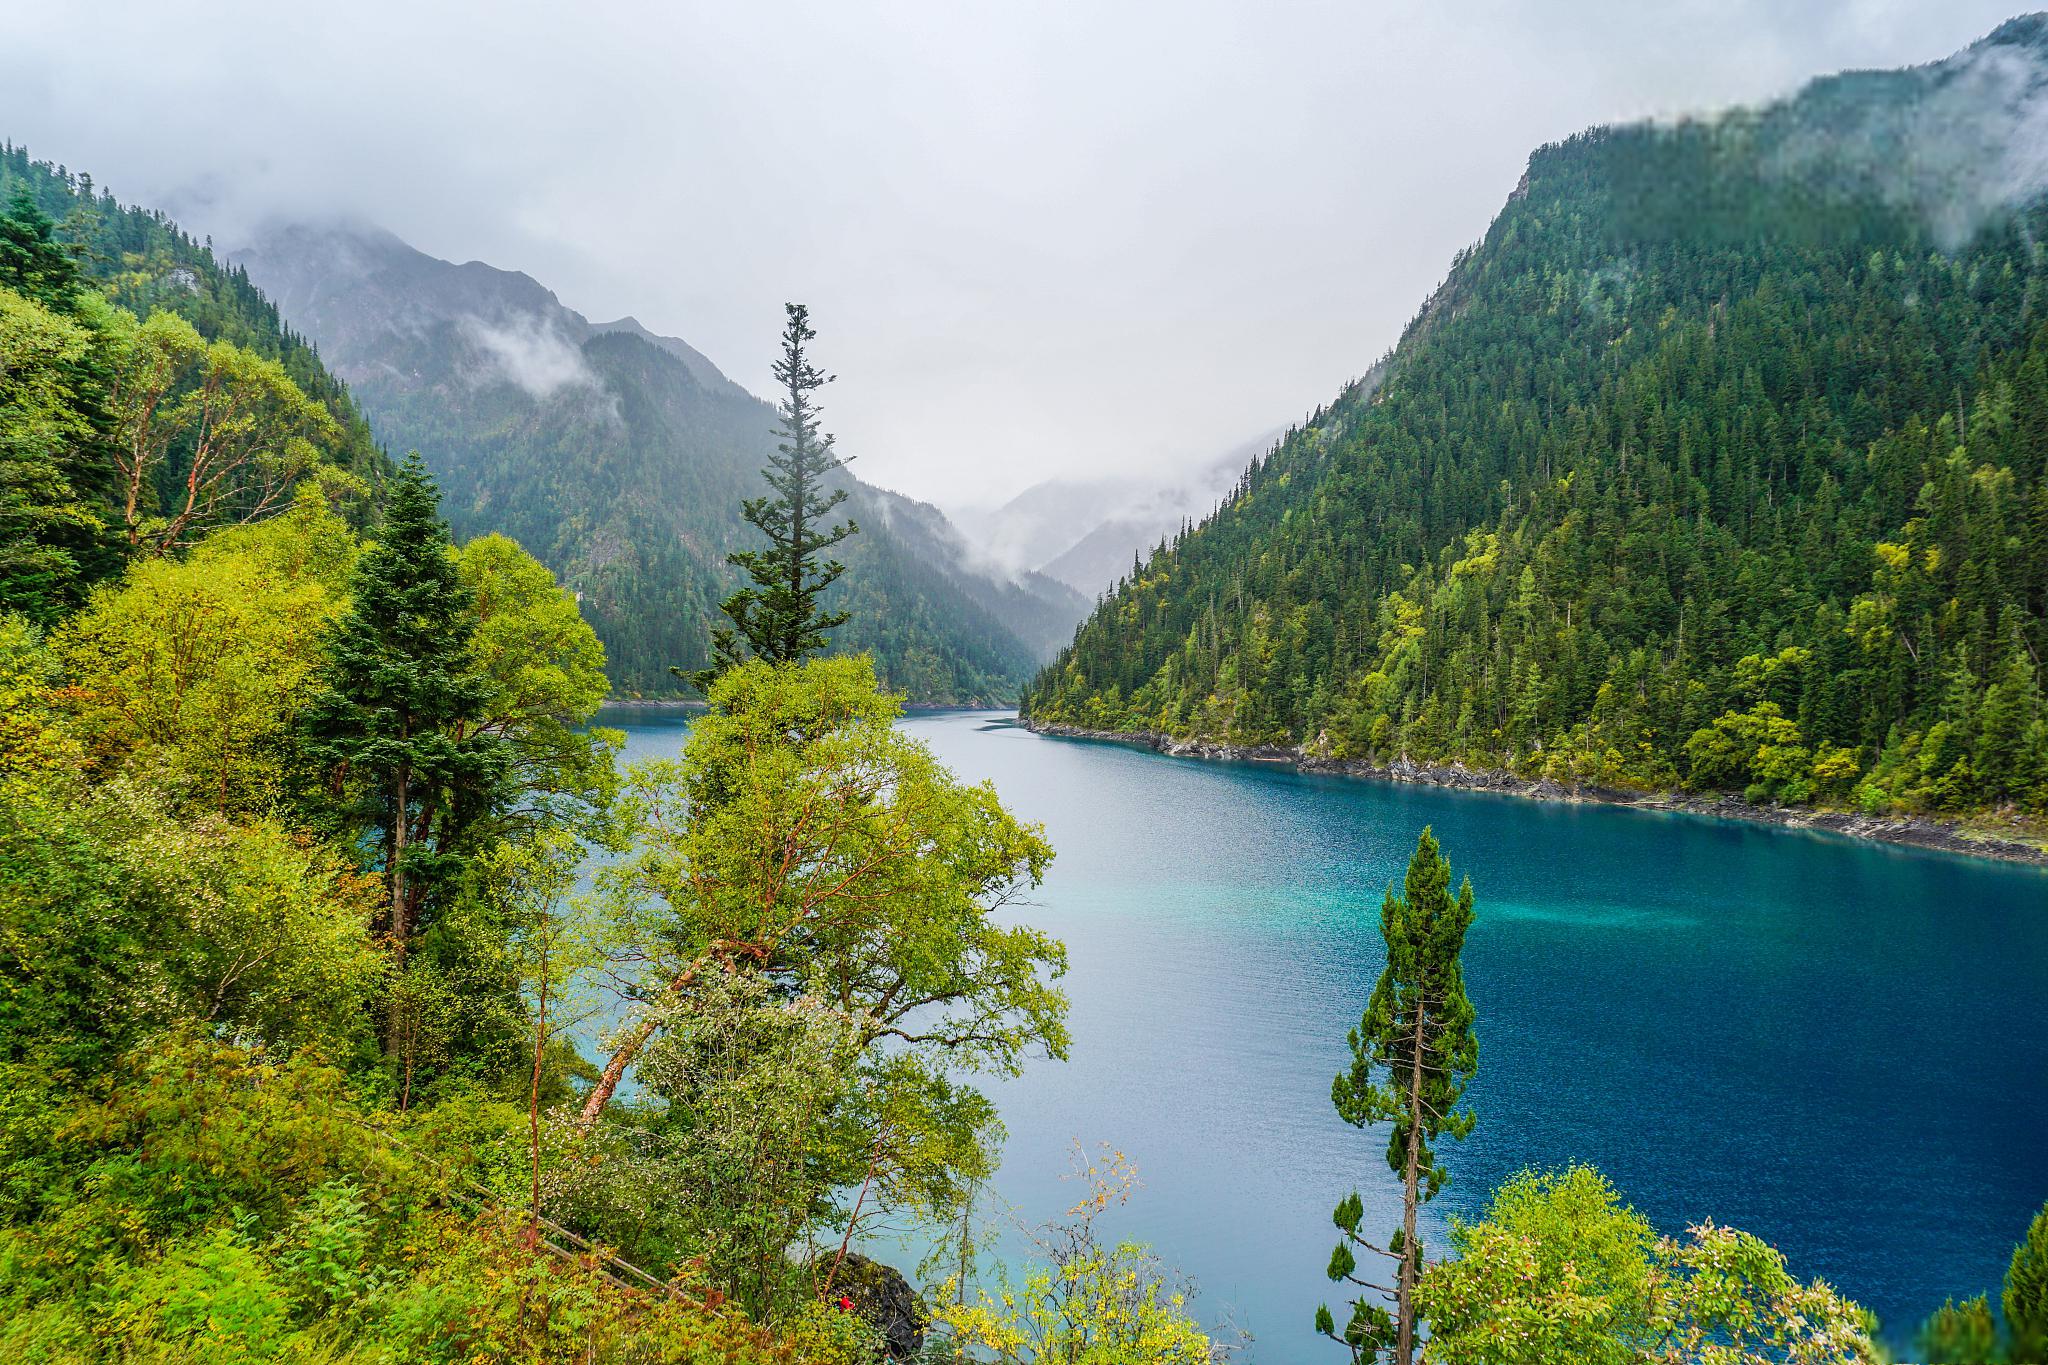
1913	830
884	1298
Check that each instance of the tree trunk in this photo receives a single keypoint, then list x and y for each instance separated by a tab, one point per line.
1404	1346
540	1042
614	1072
792	628
629	1046
623	1055
398	916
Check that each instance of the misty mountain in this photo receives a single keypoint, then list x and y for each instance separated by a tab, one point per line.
620	458
1084	532
1720	462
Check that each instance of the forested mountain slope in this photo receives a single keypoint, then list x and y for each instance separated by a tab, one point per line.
142	261
148	395
621	459
1721	461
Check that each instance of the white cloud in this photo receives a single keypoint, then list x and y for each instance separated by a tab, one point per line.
528	352
1974	146
1058	238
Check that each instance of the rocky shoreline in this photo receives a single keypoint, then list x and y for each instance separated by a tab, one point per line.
1911	830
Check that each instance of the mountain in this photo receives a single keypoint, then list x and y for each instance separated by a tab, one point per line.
1084	532
620	458
1721	461
149	394
142	261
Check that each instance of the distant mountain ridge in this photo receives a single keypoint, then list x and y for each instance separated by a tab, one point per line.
620	457
1084	532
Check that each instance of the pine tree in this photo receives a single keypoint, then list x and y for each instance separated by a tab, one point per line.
398	684
1970	1332
32	262
2009	720
1417	1028
777	615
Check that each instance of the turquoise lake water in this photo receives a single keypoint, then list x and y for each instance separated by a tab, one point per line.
1838	1046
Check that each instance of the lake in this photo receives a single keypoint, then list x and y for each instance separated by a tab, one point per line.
1841	1047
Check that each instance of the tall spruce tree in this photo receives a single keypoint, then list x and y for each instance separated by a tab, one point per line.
777	615
399	683
33	263
1417	1030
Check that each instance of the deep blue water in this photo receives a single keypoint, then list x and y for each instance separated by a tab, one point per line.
1840	1047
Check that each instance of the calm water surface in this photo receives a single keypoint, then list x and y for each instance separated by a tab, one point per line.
1840	1047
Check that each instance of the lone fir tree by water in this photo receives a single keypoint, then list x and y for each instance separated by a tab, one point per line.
778	616
1417	1030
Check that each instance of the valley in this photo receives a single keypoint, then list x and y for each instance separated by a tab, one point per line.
621	457
519	845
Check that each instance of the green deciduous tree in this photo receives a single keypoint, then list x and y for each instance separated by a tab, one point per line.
121	917
198	668
53	535
803	833
1758	750
555	945
36	745
1560	1269
1412	1054
804	849
756	1120
778	617
1557	1270
207	433
544	675
1087	1300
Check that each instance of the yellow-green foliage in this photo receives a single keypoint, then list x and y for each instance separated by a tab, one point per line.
824	1334
1087	1301
244	432
224	1205
1110	1307
34	745
1561	1270
815	904
198	667
541	657
122	916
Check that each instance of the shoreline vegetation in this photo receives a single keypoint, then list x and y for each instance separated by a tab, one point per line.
1911	831
316	872
687	704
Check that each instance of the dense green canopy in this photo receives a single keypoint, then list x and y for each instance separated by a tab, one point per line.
1690	474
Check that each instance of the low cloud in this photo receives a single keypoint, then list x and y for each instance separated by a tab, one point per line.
1037	529
529	353
1966	147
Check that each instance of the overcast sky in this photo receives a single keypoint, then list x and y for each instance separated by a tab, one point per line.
1037	238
